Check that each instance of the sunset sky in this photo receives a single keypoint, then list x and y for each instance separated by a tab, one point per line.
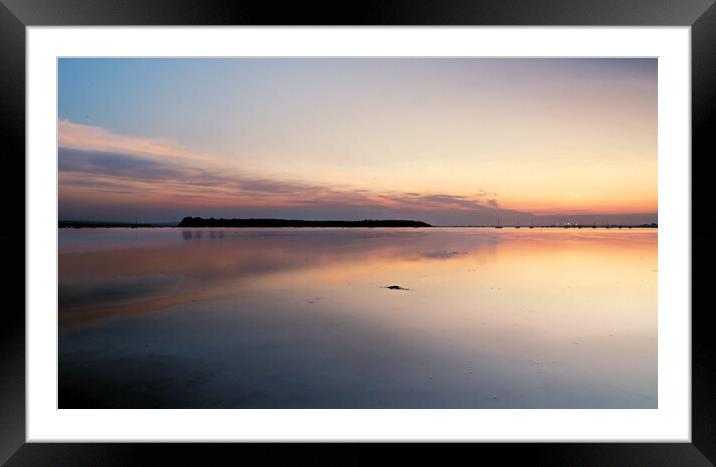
451	141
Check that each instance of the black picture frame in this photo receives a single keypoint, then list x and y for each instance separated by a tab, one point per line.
16	15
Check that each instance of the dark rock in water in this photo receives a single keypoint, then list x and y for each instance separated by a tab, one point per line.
395	287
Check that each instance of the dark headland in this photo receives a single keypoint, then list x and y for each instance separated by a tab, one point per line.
212	222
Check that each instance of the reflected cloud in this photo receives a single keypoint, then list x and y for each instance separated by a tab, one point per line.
215	263
143	272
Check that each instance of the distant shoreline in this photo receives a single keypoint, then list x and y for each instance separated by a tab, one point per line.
197	222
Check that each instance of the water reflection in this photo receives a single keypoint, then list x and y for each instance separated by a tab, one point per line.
301	318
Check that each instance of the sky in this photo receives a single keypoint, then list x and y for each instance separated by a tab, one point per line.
450	141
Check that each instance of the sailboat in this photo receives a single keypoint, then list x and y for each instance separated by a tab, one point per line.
498	226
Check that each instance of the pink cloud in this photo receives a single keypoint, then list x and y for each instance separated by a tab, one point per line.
95	163
91	138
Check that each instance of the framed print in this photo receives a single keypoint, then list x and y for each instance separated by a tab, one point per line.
467	223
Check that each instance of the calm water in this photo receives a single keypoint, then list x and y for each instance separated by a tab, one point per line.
284	318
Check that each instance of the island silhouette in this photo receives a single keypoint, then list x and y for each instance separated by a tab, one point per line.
221	222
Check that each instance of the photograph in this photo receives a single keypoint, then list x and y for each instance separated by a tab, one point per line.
357	232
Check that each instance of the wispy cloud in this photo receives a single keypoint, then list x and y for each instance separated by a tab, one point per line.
112	172
413	200
96	164
73	135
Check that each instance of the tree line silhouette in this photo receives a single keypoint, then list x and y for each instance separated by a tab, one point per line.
221	222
